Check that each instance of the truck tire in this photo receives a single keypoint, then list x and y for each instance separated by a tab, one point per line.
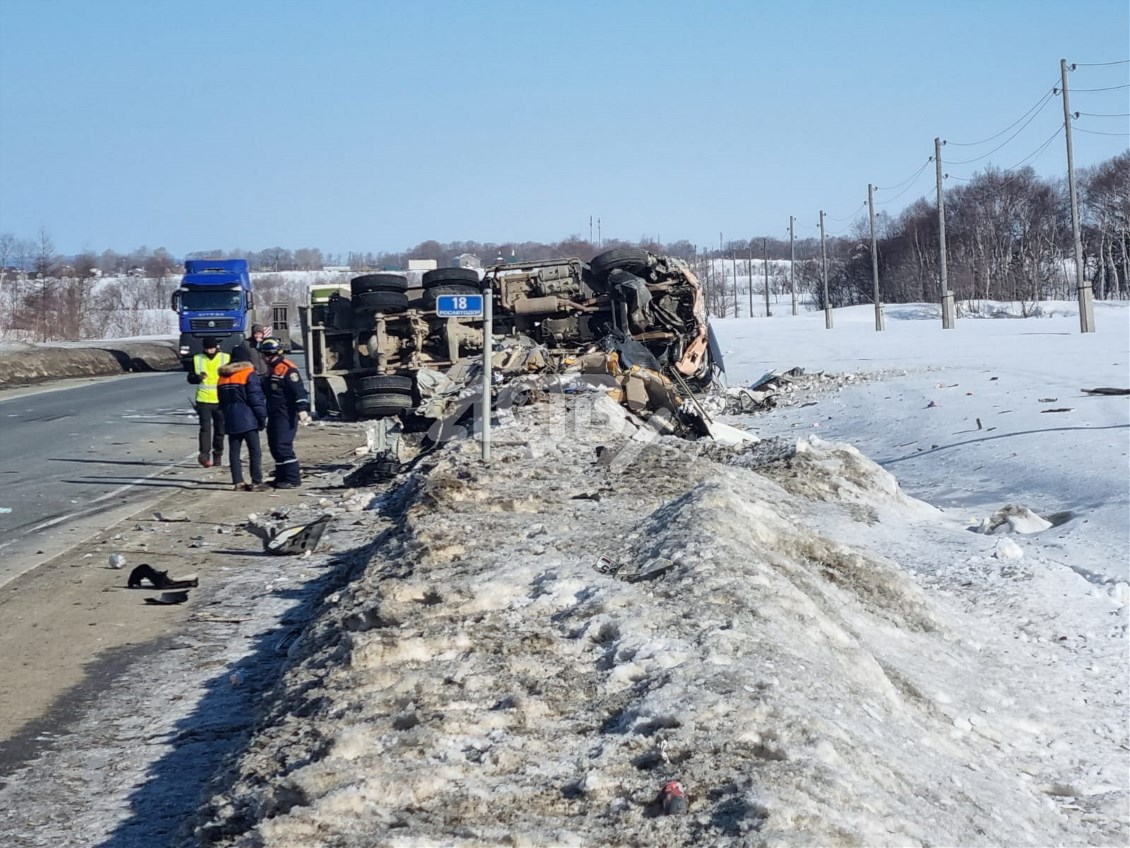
630	259
382	405
380	301
439	276
431	294
378	282
380	384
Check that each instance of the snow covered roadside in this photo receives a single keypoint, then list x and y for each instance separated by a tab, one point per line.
490	678
818	658
22	363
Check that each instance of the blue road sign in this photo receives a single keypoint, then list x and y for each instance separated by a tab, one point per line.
459	306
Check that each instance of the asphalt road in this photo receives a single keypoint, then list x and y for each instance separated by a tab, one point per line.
76	456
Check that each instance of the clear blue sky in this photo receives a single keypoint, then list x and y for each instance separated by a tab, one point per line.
369	125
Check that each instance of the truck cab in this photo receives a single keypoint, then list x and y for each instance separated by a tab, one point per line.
214	299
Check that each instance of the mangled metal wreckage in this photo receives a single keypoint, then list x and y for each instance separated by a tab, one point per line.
629	322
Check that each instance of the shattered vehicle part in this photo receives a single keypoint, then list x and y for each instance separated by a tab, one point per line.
168	599
288	540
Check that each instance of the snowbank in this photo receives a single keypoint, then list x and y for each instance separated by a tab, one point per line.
541	645
22	363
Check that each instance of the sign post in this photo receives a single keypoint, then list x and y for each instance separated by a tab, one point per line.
488	344
475	306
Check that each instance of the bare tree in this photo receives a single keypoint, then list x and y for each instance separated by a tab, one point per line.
1105	195
46	259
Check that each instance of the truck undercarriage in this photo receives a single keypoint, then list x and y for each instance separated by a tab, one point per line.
379	349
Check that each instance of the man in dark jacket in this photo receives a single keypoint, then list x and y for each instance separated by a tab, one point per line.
288	404
245	414
258	333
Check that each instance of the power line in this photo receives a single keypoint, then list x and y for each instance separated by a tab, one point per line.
1108	88
909	186
1098	132
908	179
1040	104
1024	126
850	217
1038	150
1104	114
1099	64
1013	170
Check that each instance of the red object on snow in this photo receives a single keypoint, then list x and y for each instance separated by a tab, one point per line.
674	798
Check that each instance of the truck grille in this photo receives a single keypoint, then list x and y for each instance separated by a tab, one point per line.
211	323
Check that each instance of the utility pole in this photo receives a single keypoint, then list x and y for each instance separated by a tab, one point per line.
599	237
874	258
722	264
1086	295
488	353
749	277
948	313
590	229
734	266
824	266
792	262
765	250
709	288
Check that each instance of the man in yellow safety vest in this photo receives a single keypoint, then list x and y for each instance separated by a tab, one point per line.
205	375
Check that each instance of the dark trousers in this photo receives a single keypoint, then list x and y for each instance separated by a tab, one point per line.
211	428
281	430
254	455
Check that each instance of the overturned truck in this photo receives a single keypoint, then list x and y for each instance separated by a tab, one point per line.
374	348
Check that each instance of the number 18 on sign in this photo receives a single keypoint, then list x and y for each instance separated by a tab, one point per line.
459	306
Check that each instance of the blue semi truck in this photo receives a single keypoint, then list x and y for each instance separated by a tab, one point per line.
214	299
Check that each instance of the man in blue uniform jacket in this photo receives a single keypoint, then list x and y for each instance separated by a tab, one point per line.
288	405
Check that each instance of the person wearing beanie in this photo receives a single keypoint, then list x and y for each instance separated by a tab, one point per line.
205	375
245	413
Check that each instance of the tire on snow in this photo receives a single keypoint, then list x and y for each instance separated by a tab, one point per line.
380	384
382	405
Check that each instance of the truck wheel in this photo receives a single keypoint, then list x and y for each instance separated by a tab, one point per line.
382	406
384	384
378	282
431	294
380	301
439	276
631	259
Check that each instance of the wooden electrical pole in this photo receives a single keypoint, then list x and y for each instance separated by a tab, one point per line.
948	313
874	258
722	265
824	273
1086	295
792	262
749	277
734	266
765	250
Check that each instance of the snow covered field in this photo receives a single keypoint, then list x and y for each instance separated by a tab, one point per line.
969	419
818	657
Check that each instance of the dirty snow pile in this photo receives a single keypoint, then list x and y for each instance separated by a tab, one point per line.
540	645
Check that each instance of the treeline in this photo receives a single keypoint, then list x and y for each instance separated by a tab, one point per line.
1008	237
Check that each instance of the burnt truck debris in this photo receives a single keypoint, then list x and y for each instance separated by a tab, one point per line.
634	322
